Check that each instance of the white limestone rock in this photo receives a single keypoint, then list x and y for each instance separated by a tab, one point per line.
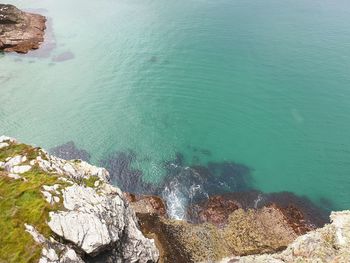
4	138
48	196
101	221
94	220
50	255
3	145
14	176
341	222
72	169
12	164
56	199
70	256
52	188
39	238
20	169
53	251
16	160
89	232
50	193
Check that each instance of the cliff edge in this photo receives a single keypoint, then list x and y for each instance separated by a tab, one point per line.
59	211
55	210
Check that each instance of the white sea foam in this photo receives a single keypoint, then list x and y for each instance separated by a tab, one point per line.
257	201
176	201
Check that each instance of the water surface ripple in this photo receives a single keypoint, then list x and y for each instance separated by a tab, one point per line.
260	83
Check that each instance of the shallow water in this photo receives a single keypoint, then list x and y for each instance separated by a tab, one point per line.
264	84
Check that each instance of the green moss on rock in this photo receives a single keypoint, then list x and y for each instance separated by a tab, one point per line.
90	182
21	201
19	149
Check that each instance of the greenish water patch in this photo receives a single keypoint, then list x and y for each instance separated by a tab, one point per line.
260	83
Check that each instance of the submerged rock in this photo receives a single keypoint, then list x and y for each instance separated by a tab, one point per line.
70	151
129	179
20	31
68	55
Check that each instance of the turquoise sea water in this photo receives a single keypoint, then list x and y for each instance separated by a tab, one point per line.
261	83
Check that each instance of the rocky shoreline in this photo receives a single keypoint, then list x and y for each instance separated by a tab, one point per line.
62	211
20	31
56	210
68	208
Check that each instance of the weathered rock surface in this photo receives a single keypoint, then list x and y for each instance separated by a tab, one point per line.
20	31
299	212
215	210
246	232
328	244
90	219
101	220
146	204
51	247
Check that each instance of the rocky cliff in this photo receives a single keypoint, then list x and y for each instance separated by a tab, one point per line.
55	210
20	31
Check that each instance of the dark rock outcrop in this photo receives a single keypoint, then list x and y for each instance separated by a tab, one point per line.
295	219
299	212
146	204
215	210
20	31
246	232
241	223
330	243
